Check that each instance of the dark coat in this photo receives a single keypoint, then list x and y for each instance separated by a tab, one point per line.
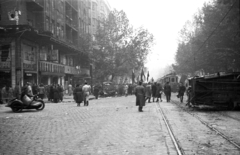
56	96
154	90
78	95
167	88
181	90
140	95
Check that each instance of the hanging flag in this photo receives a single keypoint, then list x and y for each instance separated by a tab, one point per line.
147	75
138	78
142	75
152	80
133	76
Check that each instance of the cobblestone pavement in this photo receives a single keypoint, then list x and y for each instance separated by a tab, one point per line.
196	138
107	126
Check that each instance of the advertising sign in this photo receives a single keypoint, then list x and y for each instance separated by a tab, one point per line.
5	57
29	53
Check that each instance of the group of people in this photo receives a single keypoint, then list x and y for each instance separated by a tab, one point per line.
81	94
54	93
153	91
144	93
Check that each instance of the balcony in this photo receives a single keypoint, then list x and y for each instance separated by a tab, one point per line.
51	67
77	72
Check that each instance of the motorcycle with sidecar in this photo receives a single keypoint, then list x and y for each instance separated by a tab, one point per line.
18	105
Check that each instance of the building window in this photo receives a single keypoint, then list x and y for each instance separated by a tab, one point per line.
50	26
62	32
47	24
53	26
0	12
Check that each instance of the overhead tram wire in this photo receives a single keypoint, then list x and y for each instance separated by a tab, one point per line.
217	26
214	29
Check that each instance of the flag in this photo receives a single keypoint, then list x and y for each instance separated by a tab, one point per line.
138	78
147	75
142	75
152	80
133	76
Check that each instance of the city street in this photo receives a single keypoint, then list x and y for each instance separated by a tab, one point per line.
106	126
114	126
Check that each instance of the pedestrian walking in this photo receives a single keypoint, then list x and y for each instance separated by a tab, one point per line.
55	94
140	96
41	91
154	91
181	92
96	91
7	94
130	89
70	89
86	92
159	92
60	90
78	95
51	92
167	91
148	91
126	90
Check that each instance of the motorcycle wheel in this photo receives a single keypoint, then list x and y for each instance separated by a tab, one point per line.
16	109
41	107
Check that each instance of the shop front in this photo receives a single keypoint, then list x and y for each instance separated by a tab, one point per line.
5	65
29	64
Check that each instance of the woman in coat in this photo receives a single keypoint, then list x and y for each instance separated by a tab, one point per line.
78	95
140	96
148	92
55	94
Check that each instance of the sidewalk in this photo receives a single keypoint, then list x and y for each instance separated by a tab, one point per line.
67	98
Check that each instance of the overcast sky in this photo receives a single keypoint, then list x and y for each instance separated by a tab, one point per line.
164	19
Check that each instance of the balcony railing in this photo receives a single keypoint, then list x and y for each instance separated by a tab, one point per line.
45	66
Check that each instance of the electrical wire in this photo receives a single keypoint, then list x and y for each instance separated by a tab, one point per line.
213	30
216	26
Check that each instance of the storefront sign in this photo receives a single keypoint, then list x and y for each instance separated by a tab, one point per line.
53	55
71	70
29	57
5	57
30	66
43	54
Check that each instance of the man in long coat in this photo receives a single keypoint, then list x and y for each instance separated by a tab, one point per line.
148	92
154	91
78	95
167	91
140	96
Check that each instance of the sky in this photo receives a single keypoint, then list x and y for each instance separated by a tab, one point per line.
164	19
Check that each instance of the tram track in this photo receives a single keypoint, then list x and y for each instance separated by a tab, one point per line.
226	115
236	145
177	146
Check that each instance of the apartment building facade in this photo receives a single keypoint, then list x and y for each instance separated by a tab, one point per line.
39	41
